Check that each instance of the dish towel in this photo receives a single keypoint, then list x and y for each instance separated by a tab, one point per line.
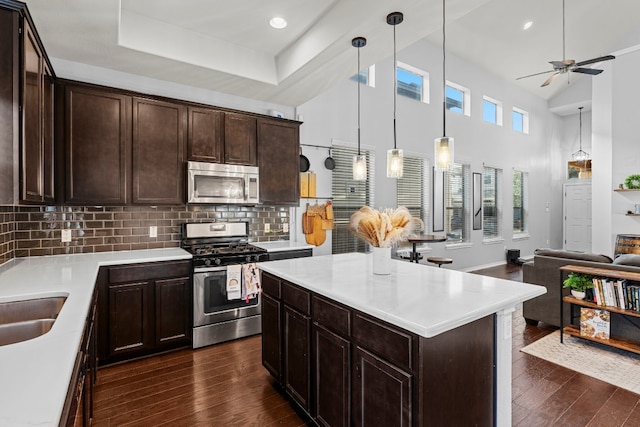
234	282
251	281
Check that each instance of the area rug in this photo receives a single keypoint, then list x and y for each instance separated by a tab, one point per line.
617	367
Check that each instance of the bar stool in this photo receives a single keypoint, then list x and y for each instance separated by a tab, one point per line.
439	260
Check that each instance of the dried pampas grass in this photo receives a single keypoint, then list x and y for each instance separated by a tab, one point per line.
383	229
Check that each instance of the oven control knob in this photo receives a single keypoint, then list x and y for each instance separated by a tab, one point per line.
217	261
248	258
207	262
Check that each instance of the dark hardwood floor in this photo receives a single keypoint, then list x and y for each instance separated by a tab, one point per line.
226	385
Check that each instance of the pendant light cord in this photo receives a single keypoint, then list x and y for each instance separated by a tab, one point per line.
358	74
395	86
444	80
563	39
581	128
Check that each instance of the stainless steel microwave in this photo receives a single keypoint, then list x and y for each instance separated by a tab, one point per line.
216	183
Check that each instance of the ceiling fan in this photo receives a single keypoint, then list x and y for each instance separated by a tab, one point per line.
566	65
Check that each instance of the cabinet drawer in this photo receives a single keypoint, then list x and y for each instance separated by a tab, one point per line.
331	315
391	343
296	297
271	285
149	271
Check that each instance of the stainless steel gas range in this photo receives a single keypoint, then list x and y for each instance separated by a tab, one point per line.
226	296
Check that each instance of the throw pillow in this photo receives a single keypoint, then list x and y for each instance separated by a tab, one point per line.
628	259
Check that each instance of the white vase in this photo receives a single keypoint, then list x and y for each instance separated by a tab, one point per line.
381	260
577	294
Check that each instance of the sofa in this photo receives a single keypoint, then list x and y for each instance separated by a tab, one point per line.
544	270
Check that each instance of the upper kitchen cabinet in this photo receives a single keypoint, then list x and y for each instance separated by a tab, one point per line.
26	109
206	135
240	139
278	159
158	147
97	140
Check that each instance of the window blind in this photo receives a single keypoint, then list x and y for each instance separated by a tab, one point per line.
520	197
412	189
491	202
349	196
456	216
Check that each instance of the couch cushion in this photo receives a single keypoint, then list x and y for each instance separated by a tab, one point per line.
557	253
628	259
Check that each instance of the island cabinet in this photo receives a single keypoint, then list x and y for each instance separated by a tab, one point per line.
278	159
144	308
344	367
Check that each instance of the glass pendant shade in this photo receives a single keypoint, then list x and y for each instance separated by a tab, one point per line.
580	156
394	163
359	167
443	152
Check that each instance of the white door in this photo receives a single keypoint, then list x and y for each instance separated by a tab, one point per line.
577	217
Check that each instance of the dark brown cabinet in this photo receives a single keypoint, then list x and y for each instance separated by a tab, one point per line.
240	139
144	308
97	134
278	159
205	140
271	336
332	358
158	146
297	357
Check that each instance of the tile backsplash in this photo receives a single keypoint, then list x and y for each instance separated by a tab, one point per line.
33	231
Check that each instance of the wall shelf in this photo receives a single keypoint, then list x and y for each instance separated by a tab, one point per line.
622	190
631	214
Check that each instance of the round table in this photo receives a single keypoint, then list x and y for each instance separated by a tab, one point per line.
423	238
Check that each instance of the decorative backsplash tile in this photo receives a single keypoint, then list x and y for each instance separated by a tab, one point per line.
34	231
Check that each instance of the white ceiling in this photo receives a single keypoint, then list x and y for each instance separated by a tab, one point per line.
229	46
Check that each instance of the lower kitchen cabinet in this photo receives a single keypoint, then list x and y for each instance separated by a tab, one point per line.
297	356
144	308
271	336
332	358
295	253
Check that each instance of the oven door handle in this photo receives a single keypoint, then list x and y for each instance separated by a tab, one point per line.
209	269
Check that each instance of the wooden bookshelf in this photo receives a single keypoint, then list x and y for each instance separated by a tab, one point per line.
632	345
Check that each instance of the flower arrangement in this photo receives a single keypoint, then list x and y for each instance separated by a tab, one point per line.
383	229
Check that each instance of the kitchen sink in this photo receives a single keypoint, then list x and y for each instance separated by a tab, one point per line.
28	319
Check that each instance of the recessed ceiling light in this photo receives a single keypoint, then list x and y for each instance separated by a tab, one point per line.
527	25
278	23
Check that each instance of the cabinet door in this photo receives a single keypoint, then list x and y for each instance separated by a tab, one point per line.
158	152
279	162
297	372
97	144
206	135
48	152
32	100
271	337
173	320
240	139
130	318
381	392
332	355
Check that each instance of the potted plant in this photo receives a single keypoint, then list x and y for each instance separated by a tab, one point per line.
578	283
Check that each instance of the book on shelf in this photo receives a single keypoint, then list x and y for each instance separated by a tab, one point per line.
595	323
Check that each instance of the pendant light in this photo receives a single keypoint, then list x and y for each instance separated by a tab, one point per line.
580	156
359	160
394	156
443	147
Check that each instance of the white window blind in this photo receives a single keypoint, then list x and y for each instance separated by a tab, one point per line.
349	196
520	199
491	203
456	196
412	191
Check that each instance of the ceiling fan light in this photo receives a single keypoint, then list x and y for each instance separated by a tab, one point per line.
443	152
395	160
359	167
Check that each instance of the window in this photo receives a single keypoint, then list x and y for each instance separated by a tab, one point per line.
367	76
520	120
491	111
349	196
456	190
458	99
412	82
520	184
491	209
412	188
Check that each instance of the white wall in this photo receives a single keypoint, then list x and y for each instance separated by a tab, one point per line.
332	115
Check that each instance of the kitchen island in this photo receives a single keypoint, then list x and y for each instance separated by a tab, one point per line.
421	346
36	373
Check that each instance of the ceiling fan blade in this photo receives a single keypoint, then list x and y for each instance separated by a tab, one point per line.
536	74
592	71
594	60
549	80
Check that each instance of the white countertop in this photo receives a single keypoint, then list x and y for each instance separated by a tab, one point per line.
35	374
420	298
282	245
